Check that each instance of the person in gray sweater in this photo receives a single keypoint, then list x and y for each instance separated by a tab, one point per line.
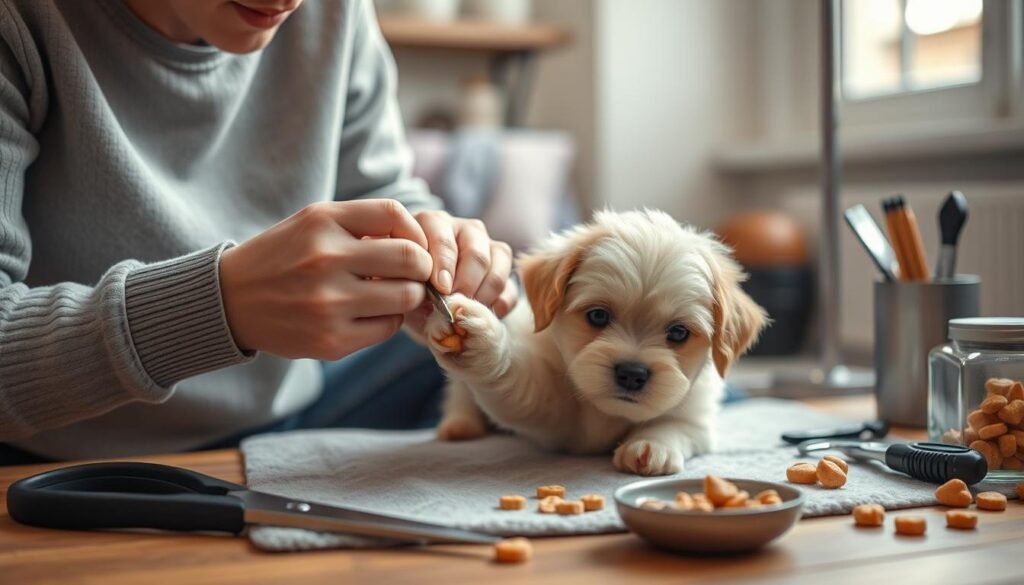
199	200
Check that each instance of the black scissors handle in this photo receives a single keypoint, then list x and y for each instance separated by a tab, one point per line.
126	495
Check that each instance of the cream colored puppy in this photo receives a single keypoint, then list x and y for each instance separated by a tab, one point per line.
631	323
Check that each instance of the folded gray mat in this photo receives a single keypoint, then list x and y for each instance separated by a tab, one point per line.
458	484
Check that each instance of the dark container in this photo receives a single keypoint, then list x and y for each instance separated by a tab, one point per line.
787	294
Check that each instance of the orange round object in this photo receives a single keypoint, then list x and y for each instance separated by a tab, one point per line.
765	238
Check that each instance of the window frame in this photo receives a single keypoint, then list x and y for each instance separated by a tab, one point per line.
980	101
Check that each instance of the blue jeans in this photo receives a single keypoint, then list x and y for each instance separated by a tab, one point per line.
392	385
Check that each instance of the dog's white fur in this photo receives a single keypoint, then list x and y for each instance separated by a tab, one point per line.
545	373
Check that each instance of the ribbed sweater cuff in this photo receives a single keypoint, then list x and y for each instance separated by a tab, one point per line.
176	317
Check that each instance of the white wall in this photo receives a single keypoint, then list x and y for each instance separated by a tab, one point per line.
674	81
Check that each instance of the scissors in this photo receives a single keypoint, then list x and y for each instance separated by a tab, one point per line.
145	495
440	304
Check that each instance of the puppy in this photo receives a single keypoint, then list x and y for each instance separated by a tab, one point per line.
630	324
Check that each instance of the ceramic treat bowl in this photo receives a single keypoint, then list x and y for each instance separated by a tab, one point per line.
722	531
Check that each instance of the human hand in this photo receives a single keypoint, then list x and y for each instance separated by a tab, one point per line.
329	280
466	260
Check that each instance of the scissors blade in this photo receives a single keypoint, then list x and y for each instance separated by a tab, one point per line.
271	510
440	304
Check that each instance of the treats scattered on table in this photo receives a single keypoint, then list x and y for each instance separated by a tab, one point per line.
869	515
512	502
911	525
961	519
954	493
569	508
991	501
549	504
830	475
839	461
551	490
513	550
804	473
592	502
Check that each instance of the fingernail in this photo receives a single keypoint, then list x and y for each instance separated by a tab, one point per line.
444	280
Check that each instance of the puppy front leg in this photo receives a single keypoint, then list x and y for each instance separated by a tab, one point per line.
661	446
461	419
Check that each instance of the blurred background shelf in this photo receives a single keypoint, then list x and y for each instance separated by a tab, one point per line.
471	35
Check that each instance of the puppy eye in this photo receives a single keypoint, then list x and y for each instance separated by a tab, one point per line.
677	334
599	317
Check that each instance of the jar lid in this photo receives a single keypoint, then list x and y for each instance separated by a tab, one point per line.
987	329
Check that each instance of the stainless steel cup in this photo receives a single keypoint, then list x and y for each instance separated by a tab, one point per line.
910	319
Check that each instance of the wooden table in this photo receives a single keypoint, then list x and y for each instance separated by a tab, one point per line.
817	551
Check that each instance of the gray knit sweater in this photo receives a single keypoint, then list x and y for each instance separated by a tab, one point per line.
127	163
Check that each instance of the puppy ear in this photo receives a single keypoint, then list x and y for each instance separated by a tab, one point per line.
546	272
738	319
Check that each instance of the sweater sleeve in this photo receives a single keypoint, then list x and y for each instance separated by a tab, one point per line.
72	351
375	159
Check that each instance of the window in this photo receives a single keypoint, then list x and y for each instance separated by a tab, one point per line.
906	62
899	46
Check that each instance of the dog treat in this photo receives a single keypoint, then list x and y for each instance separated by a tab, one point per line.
1012	413
737	501
830	475
551	490
804	473
991	501
992	431
1019	437
549	504
1013	463
752	503
513	550
868	515
652	504
718	490
839	461
1007	447
998	386
592	502
993	404
569	507
979	419
970	436
1020	490
911	525
990	451
1016	392
512	502
701	503
768	497
684	501
961	519
954	493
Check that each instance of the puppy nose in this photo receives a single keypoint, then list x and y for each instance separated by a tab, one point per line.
631	375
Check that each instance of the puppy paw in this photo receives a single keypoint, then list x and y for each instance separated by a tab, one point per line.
648	458
475	342
461	429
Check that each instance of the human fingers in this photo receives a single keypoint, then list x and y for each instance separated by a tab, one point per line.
440	234
371	217
389	258
497	275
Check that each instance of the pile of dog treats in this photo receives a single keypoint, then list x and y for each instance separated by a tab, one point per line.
996	428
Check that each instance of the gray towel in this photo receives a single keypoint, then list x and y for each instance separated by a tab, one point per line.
458	484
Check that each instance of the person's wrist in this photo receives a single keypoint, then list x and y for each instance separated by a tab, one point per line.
229	291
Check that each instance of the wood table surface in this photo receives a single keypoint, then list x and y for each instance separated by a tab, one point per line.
817	551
